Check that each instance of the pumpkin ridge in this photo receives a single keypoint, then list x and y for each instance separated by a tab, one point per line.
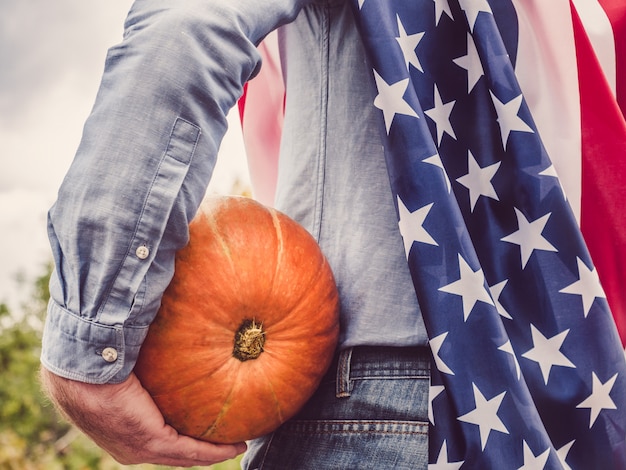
305	292
233	253
220	239
279	248
182	386
313	278
295	372
225	407
205	245
279	409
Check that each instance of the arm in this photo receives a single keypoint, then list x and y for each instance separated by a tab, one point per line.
138	177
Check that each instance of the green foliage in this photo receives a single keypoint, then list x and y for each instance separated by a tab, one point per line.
27	427
32	435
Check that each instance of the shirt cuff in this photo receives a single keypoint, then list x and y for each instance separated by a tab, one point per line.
83	350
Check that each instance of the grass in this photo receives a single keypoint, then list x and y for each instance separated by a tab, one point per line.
107	463
233	464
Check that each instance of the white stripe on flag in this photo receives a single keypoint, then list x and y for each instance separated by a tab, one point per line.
600	32
546	70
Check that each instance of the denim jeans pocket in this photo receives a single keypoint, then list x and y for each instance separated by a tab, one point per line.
381	424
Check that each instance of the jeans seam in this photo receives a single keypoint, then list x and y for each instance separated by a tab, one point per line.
389	377
318	427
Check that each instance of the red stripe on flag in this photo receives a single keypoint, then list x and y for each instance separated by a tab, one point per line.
241	104
603	218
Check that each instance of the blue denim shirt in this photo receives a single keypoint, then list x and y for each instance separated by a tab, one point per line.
147	154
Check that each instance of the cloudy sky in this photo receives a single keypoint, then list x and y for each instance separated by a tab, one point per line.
52	54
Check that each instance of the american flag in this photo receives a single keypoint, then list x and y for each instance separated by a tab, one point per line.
529	369
481	146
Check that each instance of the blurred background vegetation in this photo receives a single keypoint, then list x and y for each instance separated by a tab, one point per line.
32	435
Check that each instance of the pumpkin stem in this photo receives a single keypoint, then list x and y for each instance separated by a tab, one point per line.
249	341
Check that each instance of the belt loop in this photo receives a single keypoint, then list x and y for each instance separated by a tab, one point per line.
343	385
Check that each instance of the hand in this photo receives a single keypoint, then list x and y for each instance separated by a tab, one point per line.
124	420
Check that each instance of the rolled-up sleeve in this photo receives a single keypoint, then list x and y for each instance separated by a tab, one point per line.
146	156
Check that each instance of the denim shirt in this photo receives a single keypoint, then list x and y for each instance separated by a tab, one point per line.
148	151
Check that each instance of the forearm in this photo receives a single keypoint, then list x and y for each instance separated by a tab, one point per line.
81	405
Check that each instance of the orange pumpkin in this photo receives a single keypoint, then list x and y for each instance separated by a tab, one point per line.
247	327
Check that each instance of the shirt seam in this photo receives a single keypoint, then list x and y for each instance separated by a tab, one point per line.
324	85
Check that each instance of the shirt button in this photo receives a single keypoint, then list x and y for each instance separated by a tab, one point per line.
142	252
109	354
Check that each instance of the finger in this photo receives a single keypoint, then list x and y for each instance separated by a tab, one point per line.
186	452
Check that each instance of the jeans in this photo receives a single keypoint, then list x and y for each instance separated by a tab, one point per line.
370	412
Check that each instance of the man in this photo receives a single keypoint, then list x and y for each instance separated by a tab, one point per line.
529	369
139	175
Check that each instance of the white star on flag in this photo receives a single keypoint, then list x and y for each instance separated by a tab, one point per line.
470	286
440	115
507	117
435	346
442	462
528	236
435	160
496	292
562	452
588	286
600	398
478	180
412	226
547	352
433	392
441	6
390	99
408	44
471	63
485	415
532	461
472	8
551	171
508	348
